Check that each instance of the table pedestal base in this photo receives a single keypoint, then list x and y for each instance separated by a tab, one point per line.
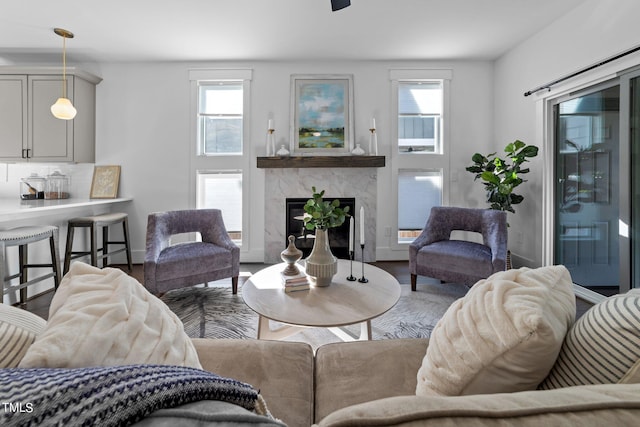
265	332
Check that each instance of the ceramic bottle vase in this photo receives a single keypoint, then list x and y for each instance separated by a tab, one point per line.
321	265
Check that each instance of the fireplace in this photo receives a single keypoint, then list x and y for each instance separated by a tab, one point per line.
338	236
341	183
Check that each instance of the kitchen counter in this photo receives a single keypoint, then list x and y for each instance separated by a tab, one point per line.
12	209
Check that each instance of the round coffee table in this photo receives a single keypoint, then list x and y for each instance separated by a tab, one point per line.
340	304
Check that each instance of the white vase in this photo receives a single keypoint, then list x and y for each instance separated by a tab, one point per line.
358	151
321	265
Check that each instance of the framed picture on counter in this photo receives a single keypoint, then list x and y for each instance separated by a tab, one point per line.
105	182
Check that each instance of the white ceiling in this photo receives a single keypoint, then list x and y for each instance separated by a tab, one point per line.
207	30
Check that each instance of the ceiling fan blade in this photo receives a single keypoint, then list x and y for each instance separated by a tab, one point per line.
339	4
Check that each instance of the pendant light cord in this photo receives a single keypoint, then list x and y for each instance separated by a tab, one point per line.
64	66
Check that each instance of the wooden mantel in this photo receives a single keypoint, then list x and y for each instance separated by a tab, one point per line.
321	162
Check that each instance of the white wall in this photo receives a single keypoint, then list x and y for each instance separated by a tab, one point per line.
592	32
143	124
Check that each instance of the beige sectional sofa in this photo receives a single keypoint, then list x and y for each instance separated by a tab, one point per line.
372	383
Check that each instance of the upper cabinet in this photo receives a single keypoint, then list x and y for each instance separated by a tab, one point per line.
28	130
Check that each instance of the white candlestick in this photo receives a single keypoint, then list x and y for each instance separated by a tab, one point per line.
270	125
351	233
373	123
361	225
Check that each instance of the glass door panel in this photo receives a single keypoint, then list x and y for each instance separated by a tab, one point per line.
587	136
635	180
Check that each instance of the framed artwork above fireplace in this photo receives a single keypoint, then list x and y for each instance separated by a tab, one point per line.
322	114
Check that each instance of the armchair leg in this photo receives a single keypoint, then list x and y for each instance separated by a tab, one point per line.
414	278
234	285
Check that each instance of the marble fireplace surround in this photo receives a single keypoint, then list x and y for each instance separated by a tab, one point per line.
282	183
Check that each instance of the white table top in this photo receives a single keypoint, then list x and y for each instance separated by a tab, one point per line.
342	303
14	208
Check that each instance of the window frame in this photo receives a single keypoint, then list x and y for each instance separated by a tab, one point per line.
438	118
201	143
239	162
419	162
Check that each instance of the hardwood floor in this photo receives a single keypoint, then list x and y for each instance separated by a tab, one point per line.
39	304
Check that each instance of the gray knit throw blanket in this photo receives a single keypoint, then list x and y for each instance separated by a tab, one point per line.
109	396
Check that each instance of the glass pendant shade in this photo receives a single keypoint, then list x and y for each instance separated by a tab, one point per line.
63	109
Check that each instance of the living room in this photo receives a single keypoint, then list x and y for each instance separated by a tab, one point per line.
145	119
487	111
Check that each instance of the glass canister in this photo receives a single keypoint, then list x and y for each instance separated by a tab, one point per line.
57	186
32	187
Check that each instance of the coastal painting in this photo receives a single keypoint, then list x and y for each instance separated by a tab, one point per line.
322	114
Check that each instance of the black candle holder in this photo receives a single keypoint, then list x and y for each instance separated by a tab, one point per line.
351	277
363	279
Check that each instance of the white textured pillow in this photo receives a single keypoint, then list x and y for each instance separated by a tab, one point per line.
602	347
103	317
18	330
503	336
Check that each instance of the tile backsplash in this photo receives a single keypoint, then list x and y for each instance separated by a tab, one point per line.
80	176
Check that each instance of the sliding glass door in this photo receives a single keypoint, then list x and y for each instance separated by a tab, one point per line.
596	226
587	193
634	199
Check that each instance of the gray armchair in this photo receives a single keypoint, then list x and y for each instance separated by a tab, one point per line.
433	254
168	267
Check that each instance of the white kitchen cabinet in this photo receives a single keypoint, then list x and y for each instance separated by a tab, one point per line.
28	130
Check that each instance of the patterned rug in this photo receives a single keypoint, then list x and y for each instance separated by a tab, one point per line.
214	312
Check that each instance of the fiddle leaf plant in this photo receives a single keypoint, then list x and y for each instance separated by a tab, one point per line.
322	214
501	176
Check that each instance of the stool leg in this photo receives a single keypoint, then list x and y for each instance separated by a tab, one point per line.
125	230
24	256
94	245
67	251
55	259
105	246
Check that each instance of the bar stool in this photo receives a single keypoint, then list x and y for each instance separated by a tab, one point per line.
93	223
22	237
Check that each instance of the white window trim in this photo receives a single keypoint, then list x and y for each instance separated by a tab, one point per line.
239	162
418	162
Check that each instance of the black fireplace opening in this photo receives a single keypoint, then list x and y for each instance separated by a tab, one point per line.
338	236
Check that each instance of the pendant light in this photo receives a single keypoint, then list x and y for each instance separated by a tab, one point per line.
63	108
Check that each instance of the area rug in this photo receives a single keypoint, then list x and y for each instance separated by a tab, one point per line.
214	312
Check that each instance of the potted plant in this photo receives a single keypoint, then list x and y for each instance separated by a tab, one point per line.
501	176
320	215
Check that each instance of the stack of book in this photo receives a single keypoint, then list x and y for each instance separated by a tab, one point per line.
299	282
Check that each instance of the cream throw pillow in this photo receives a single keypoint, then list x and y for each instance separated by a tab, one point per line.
503	336
18	330
103	317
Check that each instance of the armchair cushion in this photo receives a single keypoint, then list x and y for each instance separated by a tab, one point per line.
457	256
503	336
103	317
602	347
183	259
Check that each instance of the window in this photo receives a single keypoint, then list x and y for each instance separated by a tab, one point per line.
220	117
418	192
420	156
420	106
222	190
220	106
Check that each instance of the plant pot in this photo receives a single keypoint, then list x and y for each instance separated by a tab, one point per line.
321	265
